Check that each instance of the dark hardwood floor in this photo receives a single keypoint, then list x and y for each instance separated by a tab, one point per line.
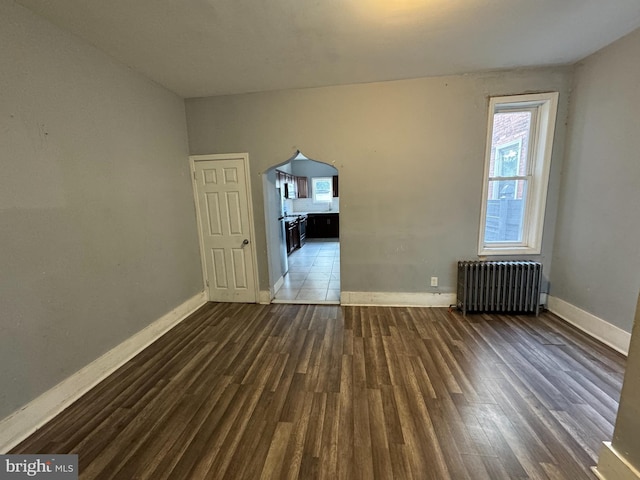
302	391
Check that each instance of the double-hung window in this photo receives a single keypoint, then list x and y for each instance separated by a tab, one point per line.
516	173
322	189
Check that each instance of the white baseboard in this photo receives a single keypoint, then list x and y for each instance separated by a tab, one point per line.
23	422
277	286
613	466
598	328
265	297
544	298
398	299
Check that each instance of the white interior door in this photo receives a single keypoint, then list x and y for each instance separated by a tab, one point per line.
223	199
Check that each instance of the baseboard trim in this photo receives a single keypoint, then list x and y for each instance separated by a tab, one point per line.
277	286
613	466
594	326
265	297
23	422
397	299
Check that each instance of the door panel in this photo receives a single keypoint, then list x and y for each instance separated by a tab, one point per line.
219	269
213	214
210	175
223	208
239	268
234	213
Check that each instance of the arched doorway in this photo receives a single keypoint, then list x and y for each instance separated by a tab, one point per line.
302	207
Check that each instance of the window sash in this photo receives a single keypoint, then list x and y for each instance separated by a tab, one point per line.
325	196
524	223
542	108
528	159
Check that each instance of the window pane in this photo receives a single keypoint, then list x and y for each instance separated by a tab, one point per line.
509	144
507	161
505	211
322	189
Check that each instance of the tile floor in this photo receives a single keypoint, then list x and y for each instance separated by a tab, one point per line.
314	274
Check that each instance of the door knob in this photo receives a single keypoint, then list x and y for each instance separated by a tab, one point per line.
245	242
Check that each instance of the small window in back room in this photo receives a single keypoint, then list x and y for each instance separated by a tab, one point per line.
322	189
517	161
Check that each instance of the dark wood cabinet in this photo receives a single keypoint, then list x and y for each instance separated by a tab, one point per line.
303	187
293	236
292	186
323	225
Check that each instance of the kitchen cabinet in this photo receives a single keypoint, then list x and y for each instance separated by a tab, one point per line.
292	186
292	229
323	225
303	187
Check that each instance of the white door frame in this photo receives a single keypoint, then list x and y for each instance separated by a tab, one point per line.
252	244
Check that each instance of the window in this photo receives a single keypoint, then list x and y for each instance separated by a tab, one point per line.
506	164
516	173
322	189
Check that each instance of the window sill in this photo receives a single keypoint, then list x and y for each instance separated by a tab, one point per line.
495	251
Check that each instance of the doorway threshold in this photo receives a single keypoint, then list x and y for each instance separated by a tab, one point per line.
306	302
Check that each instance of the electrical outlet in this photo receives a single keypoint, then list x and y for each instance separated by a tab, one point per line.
434	281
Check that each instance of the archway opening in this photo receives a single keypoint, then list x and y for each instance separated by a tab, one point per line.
302	215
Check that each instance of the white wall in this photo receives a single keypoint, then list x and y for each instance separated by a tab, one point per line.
98	234
596	261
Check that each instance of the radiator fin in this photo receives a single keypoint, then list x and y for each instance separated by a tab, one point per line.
509	286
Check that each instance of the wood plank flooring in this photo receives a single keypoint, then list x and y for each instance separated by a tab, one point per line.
242	391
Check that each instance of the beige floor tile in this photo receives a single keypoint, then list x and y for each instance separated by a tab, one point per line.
296	275
321	269
319	276
291	283
311	294
310	283
333	295
287	293
322	262
313	270
304	262
299	269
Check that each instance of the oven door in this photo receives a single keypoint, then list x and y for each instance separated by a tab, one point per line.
302	225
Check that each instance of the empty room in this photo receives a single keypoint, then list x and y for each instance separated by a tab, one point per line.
187	292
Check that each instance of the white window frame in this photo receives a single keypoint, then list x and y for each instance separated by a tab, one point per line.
314	180
539	151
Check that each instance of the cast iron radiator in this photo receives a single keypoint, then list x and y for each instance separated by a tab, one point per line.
509	287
